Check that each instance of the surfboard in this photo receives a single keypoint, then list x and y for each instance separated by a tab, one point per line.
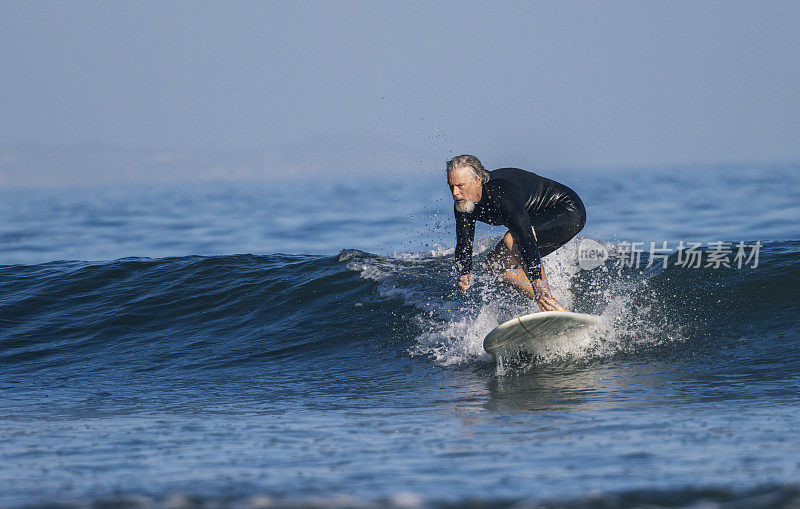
537	334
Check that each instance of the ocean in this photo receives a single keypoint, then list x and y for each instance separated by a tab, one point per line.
298	342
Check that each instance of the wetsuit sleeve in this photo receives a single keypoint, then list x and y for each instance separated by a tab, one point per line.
465	236
511	204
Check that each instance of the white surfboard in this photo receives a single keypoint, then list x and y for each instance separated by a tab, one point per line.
537	334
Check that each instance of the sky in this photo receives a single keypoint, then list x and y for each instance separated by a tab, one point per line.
548	84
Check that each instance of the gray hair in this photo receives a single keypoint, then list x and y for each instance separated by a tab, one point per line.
471	162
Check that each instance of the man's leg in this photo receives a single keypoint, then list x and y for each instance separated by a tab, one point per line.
505	262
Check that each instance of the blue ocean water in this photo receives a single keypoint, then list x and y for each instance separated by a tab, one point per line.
299	343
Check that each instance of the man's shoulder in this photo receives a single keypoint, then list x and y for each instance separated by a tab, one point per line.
507	178
511	174
502	191
499	185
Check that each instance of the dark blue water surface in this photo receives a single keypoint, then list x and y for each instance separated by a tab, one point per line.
299	342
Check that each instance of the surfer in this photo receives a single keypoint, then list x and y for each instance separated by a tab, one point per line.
541	215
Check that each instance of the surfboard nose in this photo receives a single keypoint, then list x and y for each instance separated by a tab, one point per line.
535	334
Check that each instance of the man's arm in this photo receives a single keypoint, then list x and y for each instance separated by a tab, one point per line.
465	237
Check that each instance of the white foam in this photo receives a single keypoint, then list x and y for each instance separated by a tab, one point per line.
437	252
458	340
367	271
623	327
453	330
384	271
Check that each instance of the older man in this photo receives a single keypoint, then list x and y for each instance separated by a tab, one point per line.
541	215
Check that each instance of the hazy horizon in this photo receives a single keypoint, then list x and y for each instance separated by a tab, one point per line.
384	88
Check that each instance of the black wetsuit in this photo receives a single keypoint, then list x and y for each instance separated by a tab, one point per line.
519	199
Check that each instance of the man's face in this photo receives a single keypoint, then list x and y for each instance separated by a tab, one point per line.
466	188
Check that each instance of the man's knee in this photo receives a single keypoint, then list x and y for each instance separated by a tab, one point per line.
579	219
575	226
508	241
503	257
494	263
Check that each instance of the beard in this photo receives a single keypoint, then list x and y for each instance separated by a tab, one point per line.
466	206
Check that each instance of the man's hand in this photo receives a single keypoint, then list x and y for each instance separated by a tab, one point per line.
464	282
544	297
